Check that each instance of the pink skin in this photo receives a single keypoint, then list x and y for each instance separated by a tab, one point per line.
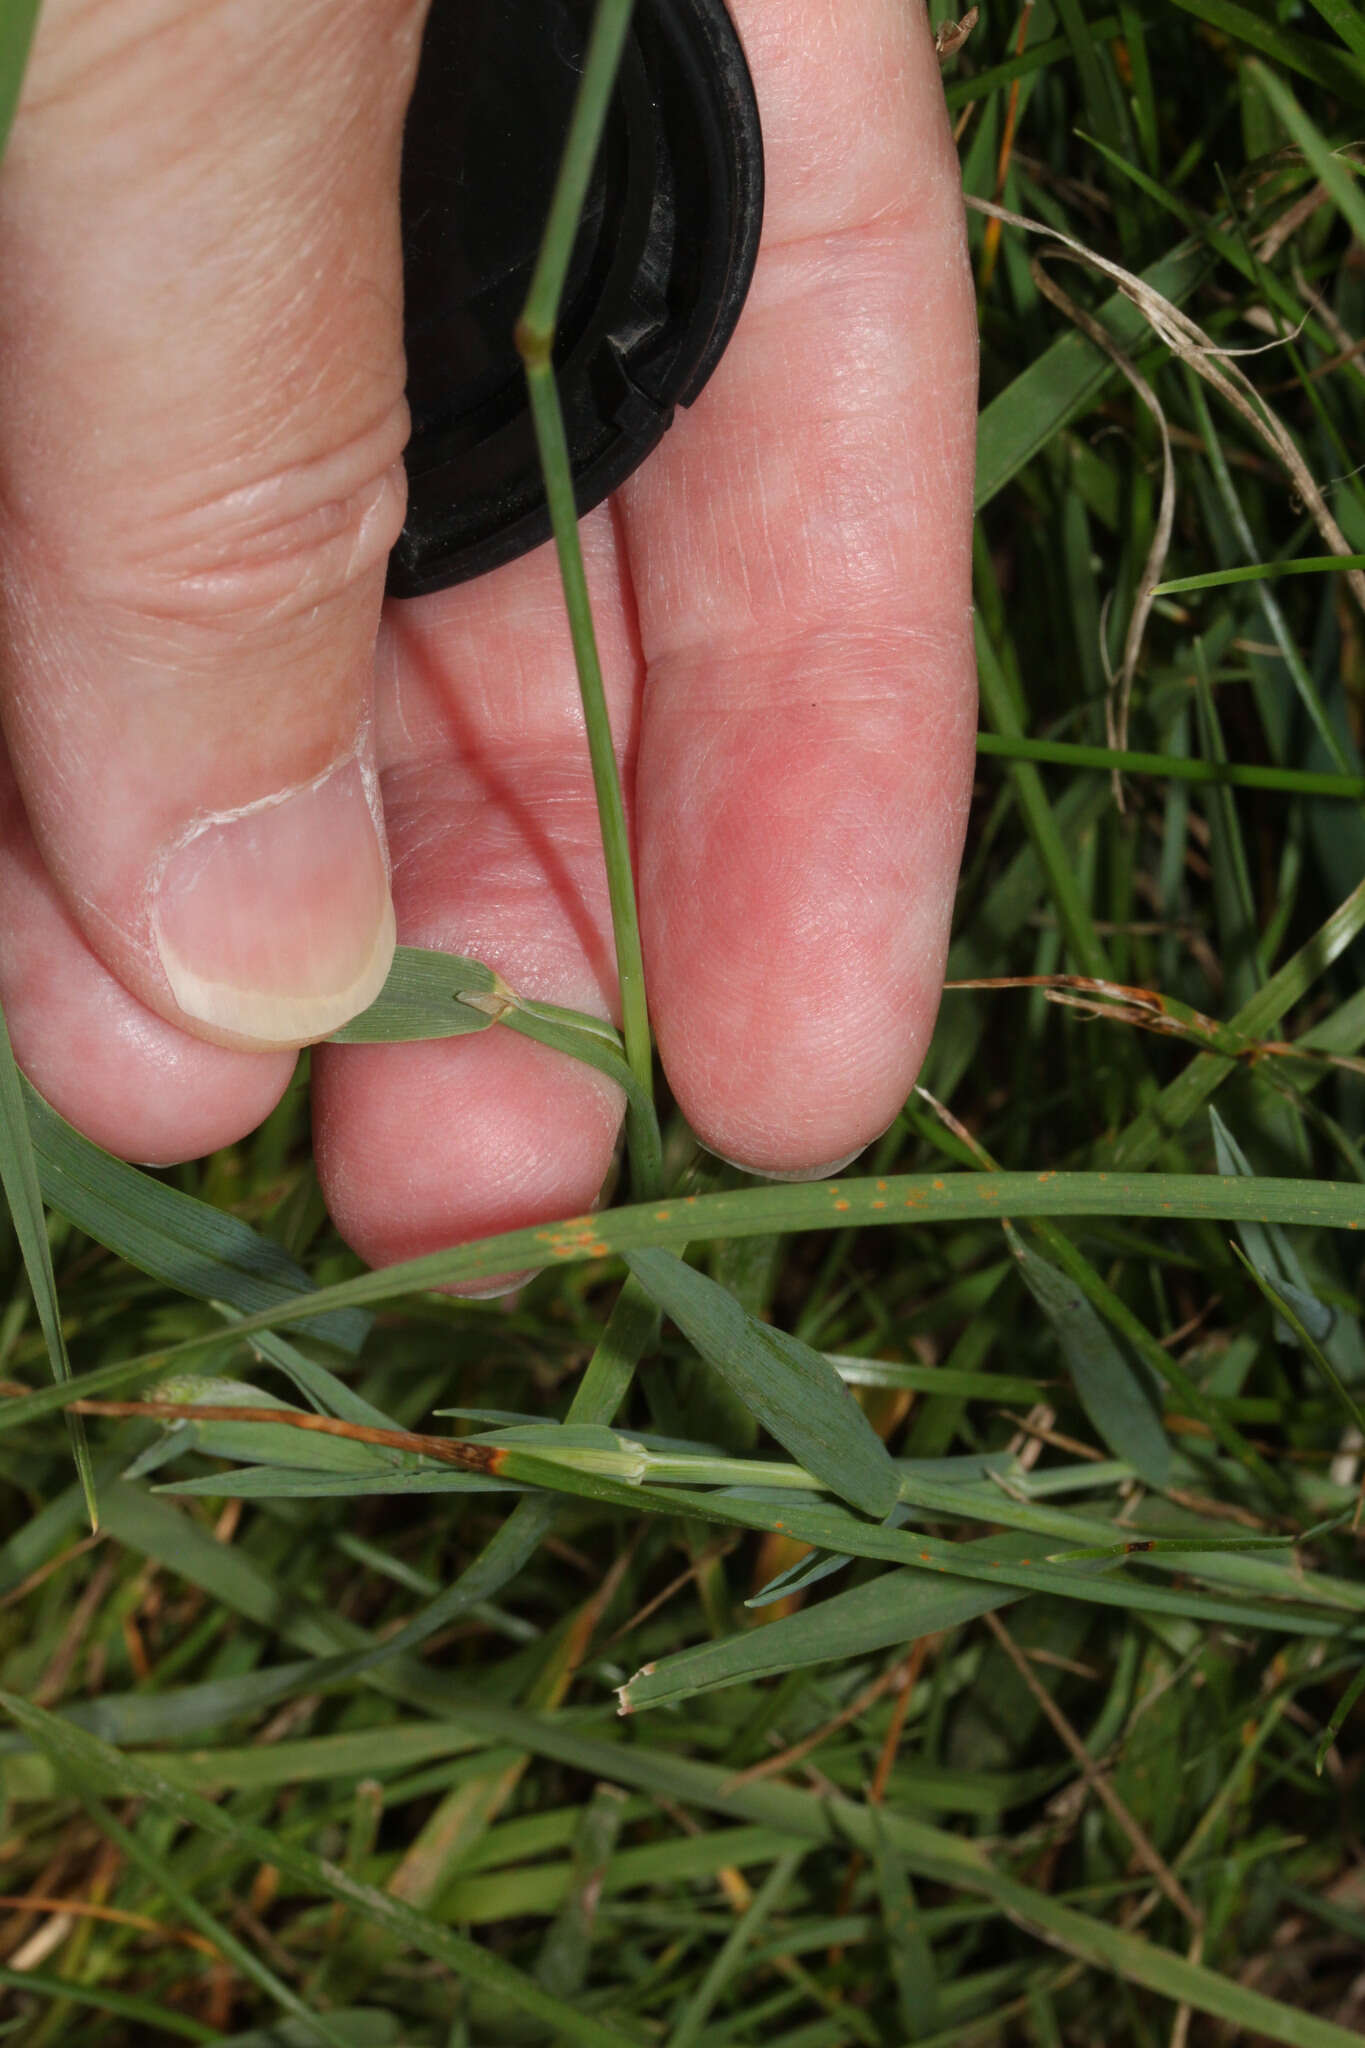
782	597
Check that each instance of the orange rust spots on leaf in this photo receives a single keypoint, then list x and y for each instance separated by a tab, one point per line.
662	1215
597	1251
843	1205
1026	1560
881	1187
938	1184
879	1205
925	1558
1049	1175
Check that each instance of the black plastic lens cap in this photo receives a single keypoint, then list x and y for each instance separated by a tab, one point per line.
659	271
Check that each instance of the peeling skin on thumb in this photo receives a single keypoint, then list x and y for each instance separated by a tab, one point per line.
273	923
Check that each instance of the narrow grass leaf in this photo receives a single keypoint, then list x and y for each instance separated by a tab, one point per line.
912	1956
189	1245
897	1607
1334	174
730	1958
1269	1251
18	19
795	1393
597	1045
19	1178
327	1394
102	1998
1345	18
1067	378
1106	1383
1287	1310
1172	1109
442	995
1258	572
1339	1718
753	1212
427	995
565	1953
130	1777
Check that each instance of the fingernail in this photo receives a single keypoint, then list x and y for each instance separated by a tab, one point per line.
802	1173
275	923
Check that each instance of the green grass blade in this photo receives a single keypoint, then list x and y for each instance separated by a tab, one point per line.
726	1963
427	995
19	1179
896	1607
1068	378
1260	572
440	995
190	1245
18	19
1340	1715
795	1393
912	1955
1334	173
1181	1098
121	2004
535	336
1345	18
1268	1250
1288	1312
1073	914
755	1211
1174	767
1106	1384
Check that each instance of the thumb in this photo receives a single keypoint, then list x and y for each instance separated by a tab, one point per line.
201	431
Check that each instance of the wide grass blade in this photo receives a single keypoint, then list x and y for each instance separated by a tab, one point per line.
753	1212
795	1393
428	995
1268	1250
896	1607
1108	1387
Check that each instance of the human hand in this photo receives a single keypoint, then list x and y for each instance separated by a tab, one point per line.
201	425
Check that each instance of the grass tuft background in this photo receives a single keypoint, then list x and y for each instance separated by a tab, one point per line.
948	1632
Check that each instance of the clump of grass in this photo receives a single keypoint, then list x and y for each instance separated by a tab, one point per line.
1016	1698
